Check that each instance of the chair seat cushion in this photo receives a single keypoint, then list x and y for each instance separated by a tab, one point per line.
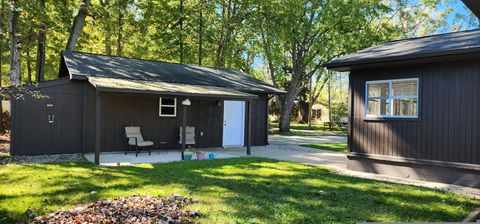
145	143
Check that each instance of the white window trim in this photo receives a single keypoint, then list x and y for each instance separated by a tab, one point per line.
390	98
174	108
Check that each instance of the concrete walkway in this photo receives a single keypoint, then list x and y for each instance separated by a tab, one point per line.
299	140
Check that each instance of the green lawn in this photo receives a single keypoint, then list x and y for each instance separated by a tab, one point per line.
240	190
337	147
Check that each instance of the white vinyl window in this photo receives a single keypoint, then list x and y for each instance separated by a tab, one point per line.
397	98
168	107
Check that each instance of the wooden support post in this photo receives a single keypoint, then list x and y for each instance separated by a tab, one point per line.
184	131
249	126
98	126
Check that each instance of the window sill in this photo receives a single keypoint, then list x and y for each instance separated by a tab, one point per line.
391	119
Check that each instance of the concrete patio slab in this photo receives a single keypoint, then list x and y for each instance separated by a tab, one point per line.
120	159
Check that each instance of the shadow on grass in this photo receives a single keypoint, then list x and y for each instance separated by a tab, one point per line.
242	189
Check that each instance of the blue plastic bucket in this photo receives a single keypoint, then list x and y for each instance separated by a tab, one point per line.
211	156
188	156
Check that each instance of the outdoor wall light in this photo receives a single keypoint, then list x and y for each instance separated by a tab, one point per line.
186	102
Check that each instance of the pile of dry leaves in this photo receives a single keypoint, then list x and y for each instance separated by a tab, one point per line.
5	142
134	209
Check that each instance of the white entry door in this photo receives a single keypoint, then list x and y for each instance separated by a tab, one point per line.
233	123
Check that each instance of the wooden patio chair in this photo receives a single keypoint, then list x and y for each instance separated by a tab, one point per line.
135	138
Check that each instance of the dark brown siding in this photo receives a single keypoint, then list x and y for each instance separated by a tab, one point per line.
31	131
206	115
74	102
448	125
259	121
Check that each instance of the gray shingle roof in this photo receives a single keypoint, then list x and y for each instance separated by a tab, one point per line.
429	46
83	65
158	87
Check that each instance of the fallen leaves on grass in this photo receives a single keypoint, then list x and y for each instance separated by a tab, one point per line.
134	209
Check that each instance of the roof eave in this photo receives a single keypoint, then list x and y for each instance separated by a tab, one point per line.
117	90
347	66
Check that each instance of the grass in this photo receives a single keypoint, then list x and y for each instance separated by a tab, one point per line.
240	190
337	147
299	129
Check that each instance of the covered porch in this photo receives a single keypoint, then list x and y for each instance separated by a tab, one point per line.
115	97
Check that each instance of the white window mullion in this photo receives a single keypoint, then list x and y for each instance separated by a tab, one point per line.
390	99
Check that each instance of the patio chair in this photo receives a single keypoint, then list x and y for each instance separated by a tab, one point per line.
189	135
135	138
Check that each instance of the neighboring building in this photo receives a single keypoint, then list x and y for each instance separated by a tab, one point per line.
415	106
97	96
319	113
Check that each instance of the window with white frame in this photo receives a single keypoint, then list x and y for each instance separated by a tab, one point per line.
392	98
168	107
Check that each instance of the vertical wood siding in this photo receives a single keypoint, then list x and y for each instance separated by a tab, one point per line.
142	110
449	107
32	134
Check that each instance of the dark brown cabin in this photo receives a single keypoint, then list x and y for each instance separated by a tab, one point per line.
415	108
97	96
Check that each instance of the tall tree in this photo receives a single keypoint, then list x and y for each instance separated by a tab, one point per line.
182	31
2	38
77	26
200	32
121	8
15	66
41	39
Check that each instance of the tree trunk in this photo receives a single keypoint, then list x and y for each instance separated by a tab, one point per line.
108	45
15	70
310	104
41	41
120	28
182	59
289	101
2	5
2	37
29	66
200	34
77	25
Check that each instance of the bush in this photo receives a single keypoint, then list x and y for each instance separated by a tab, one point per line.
339	112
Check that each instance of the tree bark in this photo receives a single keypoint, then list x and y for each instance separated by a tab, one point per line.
310	104
41	41
2	38
15	70
77	25
200	34
2	5
182	59
29	66
292	92
120	28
